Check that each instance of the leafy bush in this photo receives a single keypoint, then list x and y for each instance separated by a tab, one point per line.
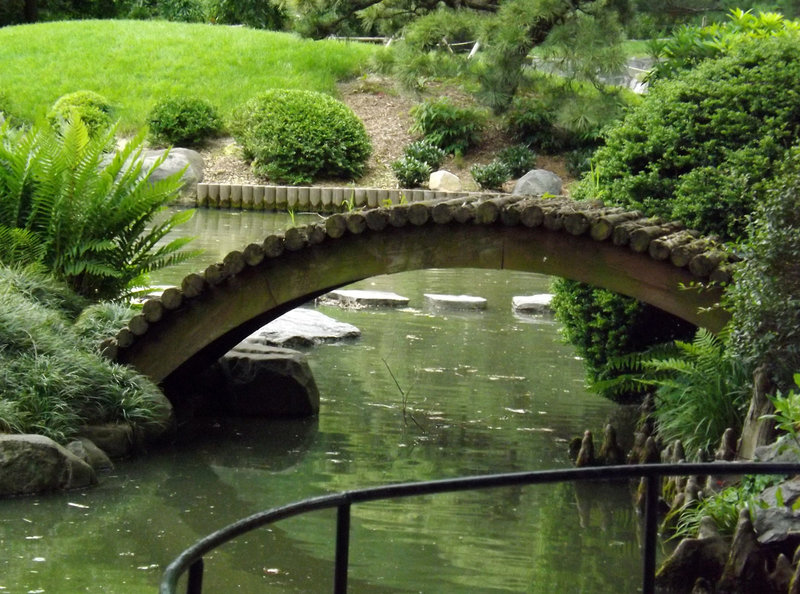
411	172
425	152
297	136
93	223
699	146
491	176
764	295
53	382
603	325
183	121
518	159
688	46
259	14
452	128
93	109
186	11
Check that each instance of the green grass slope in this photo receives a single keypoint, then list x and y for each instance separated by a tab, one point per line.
137	63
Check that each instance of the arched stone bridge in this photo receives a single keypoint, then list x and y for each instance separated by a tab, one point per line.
649	259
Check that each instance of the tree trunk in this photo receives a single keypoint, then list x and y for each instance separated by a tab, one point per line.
31	11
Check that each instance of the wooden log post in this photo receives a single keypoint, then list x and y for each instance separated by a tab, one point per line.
603	228
233	263
138	325
398	215
621	234
172	298
419	213
193	285
377	219
295	238
152	310
356	222
316	233
214	274
125	338
253	254
640	238
273	246
335	226
703	264
661	247
681	255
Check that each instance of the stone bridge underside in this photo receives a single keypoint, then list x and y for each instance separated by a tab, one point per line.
649	259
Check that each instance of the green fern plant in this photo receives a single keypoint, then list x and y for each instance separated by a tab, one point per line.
699	390
94	221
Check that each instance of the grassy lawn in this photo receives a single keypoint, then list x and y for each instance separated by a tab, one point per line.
137	63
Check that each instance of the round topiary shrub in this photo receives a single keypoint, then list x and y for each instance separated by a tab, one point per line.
295	136
93	109
183	121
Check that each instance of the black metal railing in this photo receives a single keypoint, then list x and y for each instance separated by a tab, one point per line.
191	560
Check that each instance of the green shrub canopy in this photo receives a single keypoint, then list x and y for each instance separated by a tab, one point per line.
92	108
295	136
699	145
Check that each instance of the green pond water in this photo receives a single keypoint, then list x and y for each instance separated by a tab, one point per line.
487	392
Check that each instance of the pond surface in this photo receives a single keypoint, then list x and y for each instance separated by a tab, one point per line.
484	392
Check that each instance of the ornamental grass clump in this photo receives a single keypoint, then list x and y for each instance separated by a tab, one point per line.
296	137
52	379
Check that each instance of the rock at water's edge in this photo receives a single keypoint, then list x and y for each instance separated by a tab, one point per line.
32	464
255	380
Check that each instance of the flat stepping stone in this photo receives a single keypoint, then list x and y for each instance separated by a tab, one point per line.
532	303
302	328
455	301
356	298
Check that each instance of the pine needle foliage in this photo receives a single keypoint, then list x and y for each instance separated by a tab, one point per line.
91	219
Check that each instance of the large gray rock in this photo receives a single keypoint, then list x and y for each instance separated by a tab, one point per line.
302	328
538	182
177	160
115	439
36	464
85	449
261	381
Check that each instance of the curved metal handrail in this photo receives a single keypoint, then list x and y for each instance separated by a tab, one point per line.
191	559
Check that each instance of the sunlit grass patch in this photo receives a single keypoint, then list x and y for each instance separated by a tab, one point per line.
137	63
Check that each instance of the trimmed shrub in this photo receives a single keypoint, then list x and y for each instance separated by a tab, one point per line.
94	110
426	152
518	159
700	145
491	176
452	128
701	148
411	172
183	121
298	136
764	295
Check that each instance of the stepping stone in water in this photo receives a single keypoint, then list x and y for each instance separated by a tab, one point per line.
532	304
302	328
455	301
356	298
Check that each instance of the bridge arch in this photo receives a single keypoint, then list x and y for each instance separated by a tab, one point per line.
650	260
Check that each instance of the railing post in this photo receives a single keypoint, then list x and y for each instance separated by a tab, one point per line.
342	548
195	582
652	483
